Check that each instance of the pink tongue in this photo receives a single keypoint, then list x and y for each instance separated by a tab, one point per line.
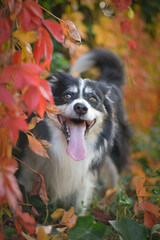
76	147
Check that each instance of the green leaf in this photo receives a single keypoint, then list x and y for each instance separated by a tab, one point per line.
155	230
129	229
9	231
86	229
82	228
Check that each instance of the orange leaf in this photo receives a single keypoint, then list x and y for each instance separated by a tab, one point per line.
36	146
149	219
150	207
51	108
140	189
69	218
70	31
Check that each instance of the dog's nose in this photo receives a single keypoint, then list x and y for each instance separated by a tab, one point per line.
80	108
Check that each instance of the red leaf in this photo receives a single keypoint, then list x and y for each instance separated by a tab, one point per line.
149	219
17	57
37	147
122	4
43	47
24	219
13	125
45	90
39	187
6	96
6	28
55	29
30	16
31	98
2	235
21	74
125	25
41	106
132	44
34	8
24	20
8	183
38	49
34	211
48	48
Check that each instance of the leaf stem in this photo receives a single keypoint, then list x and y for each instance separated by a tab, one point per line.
50	13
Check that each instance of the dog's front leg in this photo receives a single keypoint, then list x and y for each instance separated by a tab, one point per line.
84	194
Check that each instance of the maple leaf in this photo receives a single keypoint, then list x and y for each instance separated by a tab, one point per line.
24	219
9	189
55	29
39	188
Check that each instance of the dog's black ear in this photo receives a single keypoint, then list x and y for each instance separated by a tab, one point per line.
52	80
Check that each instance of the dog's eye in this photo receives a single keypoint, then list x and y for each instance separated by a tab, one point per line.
92	99
67	96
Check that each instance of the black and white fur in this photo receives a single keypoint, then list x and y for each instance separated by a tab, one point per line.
97	105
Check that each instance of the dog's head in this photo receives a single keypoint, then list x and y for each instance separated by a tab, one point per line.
84	107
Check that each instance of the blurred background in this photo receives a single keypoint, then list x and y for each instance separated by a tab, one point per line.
131	29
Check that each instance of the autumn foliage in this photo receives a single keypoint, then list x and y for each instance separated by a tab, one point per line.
26	49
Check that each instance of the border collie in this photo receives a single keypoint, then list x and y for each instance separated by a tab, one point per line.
92	129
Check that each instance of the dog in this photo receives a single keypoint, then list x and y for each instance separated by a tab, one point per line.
91	130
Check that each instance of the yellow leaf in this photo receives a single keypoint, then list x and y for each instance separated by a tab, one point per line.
41	235
25	37
57	214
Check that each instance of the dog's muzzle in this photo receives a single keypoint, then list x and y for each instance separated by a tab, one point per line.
75	131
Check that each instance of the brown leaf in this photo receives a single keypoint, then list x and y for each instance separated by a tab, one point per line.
39	188
70	31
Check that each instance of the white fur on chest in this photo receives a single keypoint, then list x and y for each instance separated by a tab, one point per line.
68	175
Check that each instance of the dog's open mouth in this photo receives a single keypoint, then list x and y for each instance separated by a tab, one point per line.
75	130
